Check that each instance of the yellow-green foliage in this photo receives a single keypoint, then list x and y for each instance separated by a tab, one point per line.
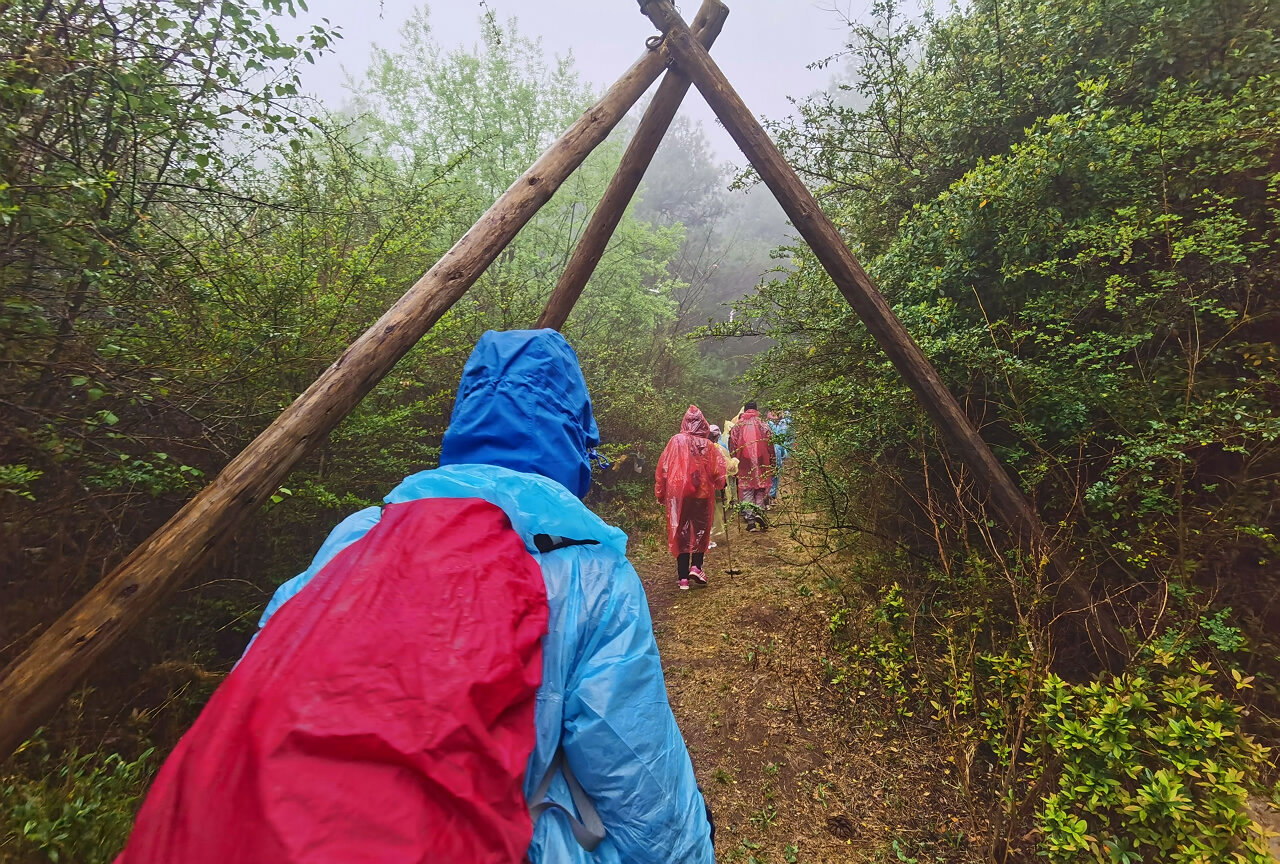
1074	208
1150	766
72	809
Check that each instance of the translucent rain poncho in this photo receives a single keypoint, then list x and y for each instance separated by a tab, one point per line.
690	471
750	444
408	693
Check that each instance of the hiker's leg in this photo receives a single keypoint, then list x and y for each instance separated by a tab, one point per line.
756	498
697	579
682	565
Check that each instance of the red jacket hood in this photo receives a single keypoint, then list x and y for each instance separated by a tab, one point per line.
695	424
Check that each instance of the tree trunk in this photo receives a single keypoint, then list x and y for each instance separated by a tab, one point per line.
635	161
36	683
861	293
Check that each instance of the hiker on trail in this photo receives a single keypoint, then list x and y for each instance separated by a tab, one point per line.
730	423
780	430
722	497
749	444
466	674
691	472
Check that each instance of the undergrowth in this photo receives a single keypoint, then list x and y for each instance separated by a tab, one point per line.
1154	764
70	807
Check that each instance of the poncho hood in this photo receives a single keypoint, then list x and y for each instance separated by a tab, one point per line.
695	424
523	404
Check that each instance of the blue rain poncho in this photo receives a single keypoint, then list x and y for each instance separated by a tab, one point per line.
519	437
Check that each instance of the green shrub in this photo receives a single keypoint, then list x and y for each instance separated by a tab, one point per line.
79	810
1154	767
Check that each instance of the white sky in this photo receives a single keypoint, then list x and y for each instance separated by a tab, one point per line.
764	49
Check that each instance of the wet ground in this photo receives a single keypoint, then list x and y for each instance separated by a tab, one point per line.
790	772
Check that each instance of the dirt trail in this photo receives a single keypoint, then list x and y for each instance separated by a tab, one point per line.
789	775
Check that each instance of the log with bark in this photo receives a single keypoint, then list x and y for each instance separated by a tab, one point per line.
37	681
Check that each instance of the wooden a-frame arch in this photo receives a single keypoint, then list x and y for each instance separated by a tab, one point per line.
39	680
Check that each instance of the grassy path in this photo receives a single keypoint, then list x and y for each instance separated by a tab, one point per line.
789	775
795	769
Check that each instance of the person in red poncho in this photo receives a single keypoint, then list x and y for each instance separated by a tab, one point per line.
749	443
690	472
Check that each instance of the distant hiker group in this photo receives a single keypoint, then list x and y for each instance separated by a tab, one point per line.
693	476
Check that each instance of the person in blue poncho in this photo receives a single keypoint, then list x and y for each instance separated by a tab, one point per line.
466	674
780	430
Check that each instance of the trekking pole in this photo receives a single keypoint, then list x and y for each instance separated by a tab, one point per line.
728	544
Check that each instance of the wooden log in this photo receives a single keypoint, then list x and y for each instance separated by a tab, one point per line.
626	180
37	681
862	294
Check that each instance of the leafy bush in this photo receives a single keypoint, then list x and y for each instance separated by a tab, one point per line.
1152	766
1072	208
77	808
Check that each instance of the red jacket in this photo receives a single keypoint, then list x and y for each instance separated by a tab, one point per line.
749	443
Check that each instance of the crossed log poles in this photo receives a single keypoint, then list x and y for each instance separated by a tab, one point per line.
38	681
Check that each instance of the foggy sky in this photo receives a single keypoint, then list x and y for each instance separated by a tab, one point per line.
764	49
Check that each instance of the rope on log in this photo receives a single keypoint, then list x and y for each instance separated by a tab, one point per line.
626	180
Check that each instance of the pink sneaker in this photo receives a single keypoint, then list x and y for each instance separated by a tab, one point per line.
699	578
684	584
